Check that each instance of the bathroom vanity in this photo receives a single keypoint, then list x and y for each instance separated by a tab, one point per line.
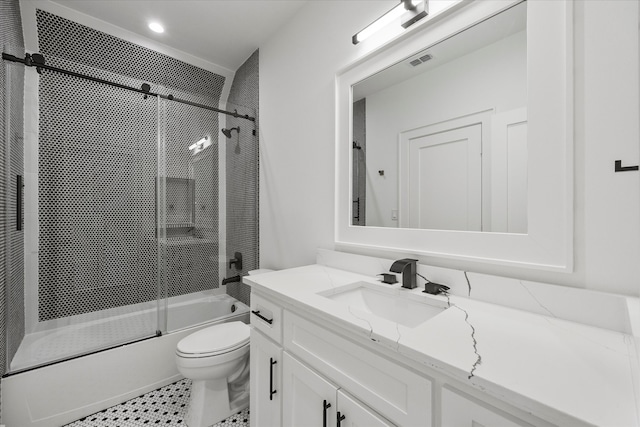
334	347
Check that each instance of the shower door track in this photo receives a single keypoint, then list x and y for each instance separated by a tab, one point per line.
38	61
77	356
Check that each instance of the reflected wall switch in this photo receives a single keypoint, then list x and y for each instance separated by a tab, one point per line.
394	215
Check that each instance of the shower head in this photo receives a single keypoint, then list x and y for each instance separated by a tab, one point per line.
227	132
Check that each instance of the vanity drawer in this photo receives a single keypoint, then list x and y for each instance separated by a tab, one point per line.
398	394
266	316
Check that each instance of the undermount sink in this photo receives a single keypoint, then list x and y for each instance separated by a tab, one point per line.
393	304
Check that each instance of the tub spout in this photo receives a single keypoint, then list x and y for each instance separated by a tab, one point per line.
231	280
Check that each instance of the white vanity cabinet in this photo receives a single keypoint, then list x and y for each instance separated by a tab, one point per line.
460	411
266	363
311	400
401	395
354	414
314	375
266	381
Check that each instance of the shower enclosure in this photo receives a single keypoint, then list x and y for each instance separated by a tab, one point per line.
121	201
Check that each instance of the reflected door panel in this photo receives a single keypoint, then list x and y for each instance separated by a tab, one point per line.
445	180
509	172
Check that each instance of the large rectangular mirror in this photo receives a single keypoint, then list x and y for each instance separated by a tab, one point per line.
471	159
440	139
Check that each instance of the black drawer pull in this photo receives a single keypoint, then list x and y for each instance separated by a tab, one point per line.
257	313
325	406
271	390
340	418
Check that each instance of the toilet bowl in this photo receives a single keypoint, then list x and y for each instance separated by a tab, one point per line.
216	359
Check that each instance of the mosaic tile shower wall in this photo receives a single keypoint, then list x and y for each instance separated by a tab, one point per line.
193	250
97	173
11	126
242	178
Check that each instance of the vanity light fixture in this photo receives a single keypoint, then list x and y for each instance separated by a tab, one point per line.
409	12
156	27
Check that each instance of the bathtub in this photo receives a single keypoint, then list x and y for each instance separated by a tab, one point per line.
198	311
62	392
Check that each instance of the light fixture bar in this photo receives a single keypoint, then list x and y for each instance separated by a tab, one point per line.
410	11
414	14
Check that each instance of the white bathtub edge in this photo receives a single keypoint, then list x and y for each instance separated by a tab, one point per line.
64	392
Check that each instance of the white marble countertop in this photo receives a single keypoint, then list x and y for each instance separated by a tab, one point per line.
559	370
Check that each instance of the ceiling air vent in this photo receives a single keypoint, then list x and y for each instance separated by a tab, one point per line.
417	61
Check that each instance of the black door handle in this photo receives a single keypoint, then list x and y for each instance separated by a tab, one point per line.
340	418
325	406
271	390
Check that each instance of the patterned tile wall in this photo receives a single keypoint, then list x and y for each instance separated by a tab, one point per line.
96	185
97	168
242	178
11	41
193	262
69	40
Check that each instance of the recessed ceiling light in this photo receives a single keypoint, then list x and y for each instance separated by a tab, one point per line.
154	26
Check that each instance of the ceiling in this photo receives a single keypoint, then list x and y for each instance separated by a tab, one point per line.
222	32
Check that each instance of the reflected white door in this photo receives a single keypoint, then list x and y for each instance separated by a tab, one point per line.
444	188
509	172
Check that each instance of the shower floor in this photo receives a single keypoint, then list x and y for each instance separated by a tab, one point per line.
166	406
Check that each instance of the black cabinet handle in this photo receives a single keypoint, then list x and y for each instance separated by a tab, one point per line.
257	313
271	390
340	418
325	406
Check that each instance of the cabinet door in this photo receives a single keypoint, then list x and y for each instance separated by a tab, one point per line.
458	411
307	398
357	415
266	382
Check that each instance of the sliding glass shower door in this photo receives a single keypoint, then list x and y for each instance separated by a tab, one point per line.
123	212
191	191
91	166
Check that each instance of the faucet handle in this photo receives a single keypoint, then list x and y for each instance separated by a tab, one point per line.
388	278
434	288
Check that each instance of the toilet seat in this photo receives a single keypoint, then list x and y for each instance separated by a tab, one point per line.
214	341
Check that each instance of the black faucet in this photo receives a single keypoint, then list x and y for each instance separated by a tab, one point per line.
407	267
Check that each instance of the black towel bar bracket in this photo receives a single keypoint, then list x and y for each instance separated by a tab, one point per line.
620	168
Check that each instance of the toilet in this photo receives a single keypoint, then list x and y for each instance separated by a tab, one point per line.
216	359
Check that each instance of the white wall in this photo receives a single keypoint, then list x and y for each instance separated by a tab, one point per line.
297	78
297	71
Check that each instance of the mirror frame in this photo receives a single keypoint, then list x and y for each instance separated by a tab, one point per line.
548	245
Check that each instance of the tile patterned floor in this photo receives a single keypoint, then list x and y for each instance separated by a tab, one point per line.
163	407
